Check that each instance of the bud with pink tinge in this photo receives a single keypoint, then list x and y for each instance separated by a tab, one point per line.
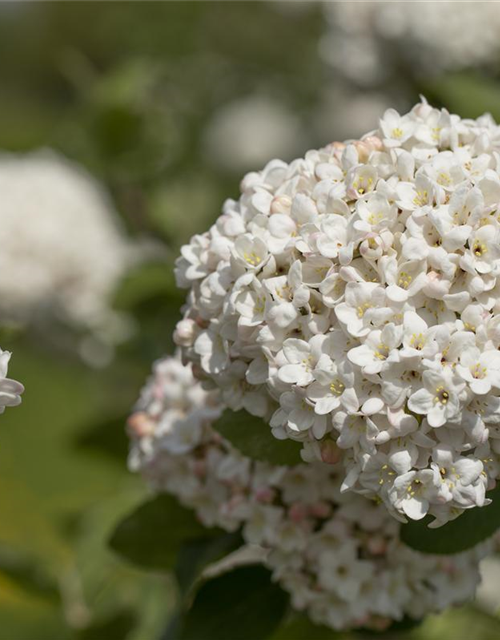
330	453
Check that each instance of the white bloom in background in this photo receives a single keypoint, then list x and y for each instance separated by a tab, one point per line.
343	112
365	38
352	291
487	593
62	249
339	557
246	132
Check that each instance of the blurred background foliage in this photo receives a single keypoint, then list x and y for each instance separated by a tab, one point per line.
134	92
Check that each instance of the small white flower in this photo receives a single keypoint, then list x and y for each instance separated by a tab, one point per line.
374	355
362	310
396	129
458	478
301	358
439	398
213	351
250	252
333	386
412	492
10	390
480	370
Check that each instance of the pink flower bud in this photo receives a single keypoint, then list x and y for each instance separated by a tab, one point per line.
281	204
298	512
377	623
199	468
330	453
363	150
140	424
320	510
377	545
374	143
265	495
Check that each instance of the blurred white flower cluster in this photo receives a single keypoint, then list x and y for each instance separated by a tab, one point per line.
61	238
368	40
244	133
352	297
340	558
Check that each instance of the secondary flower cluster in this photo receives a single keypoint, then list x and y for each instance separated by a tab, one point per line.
340	559
366	38
352	297
61	238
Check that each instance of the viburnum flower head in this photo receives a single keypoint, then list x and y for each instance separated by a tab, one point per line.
339	557
353	296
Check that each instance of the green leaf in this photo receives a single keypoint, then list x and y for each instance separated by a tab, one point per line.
151	536
466	531
195	555
28	574
299	627
253	438
243	604
394	630
174	626
115	627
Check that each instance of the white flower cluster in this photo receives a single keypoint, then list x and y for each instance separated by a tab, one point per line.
356	294
366	38
340	559
60	238
246	132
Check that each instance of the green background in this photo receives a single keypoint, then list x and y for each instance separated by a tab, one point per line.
127	89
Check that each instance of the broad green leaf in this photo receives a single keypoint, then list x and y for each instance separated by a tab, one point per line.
115	627
151	536
243	604
300	627
28	574
253	438
195	555
466	531
174	626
